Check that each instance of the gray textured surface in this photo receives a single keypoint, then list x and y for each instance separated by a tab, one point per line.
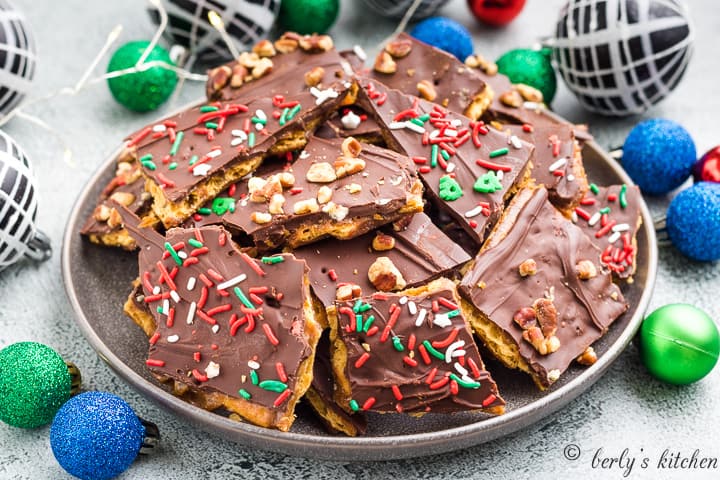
625	409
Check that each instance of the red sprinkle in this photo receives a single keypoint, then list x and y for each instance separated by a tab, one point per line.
397	393
251	324
215	275
151	362
219	309
282	397
170	321
490	399
206	317
582	213
587	201
440	383
258	290
196	357
270	334
372	331
447	303
281	372
368	403
424	354
411	342
410	361
165	275
199	376
154	339
431	376
450	338
203	297
332	274
454	389
249	260
604	230
361	361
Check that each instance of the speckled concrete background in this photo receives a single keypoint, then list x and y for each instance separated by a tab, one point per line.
625	409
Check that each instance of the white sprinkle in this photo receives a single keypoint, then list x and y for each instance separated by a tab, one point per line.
212	370
182	254
166	306
434	133
191	283
469	379
456	123
322	95
173	338
259	126
159	128
499	174
174	295
421	317
347	68
304	155
358	50
558	164
403	300
202	169
452	348
240	134
532	106
253	364
347	84
442	320
621	227
461	370
450	167
260	114
574	217
236	141
156	290
594	219
474	212
232	282
412	308
396	125
450	132
215	328
570	177
213	153
414	127
614	237
459	353
191	313
350	121
515	141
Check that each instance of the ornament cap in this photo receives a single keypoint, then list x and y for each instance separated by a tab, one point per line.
39	248
75	378
152	437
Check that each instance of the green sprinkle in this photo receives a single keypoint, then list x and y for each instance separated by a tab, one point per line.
273	260
208	108
358	304
245	394
453	313
463	383
273	386
173	254
358	322
149	164
499	152
354	405
433	155
397	343
204	211
417	122
488	183
283	117
145	158
254	377
193	159
364	307
623	196
294	111
176	143
368	323
195	243
160	310
251	139
243	298
221	205
256	120
594	188
172	166
449	189
424	118
445	155
212	125
604	211
432	350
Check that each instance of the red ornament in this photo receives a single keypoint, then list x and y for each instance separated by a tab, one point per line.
496	12
707	169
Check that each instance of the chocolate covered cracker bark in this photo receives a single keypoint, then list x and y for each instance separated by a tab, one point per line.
469	170
411	352
536	294
610	216
336	188
231	331
416	68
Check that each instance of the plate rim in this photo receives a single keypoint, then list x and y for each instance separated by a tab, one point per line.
348	448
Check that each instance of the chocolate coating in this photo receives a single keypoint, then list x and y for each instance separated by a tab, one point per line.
423	382
585	308
367	131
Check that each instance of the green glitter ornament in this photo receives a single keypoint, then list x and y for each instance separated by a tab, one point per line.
141	91
34	383
308	16
531	67
679	343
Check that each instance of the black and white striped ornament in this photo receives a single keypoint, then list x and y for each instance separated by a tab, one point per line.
17	58
622	56
246	21
397	8
18	207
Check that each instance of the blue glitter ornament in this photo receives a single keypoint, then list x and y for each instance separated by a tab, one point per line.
96	436
658	155
445	34
693	221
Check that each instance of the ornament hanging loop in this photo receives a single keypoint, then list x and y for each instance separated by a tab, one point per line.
39	248
152	437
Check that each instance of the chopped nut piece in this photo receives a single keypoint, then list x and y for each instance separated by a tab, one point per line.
531	94
114	220
262	67
219	77
348	291
547	316
426	89
528	267
101	213
351	147
525	318
264	48
336	212
511	98
588	357
324	194
554	375
248	59
385	276
321	172
399	48
306	206
287	179
384	63
345	166
256	185
123	198
552	344
276	204
354	188
534	336
478	61
314	76
239	73
261	217
286	45
586	270
383	242
316	43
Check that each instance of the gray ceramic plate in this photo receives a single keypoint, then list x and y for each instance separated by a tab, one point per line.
98	279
